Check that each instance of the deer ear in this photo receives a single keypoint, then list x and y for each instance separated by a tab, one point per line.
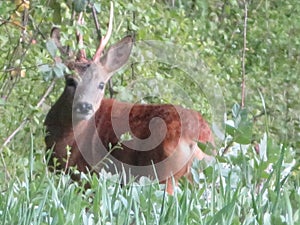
117	55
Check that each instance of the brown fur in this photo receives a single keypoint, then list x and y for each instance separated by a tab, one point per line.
183	127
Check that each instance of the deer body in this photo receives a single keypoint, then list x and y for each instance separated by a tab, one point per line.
184	128
164	136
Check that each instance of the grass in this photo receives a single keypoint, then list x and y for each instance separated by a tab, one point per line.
239	188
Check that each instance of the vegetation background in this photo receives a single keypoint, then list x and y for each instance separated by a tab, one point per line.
255	179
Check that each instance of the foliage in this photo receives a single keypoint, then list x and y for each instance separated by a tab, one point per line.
255	181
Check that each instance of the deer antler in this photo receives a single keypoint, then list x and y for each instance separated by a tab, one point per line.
105	39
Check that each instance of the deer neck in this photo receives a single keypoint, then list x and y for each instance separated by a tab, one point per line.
58	121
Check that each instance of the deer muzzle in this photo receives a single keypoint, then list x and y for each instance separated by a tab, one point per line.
83	110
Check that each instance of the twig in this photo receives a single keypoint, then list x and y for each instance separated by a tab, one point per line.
244	56
47	92
3	22
13	134
229	144
94	13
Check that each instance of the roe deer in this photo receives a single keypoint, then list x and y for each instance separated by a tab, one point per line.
164	136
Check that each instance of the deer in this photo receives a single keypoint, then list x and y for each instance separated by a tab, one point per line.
83	127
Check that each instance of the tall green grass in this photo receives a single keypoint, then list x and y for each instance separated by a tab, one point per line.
239	188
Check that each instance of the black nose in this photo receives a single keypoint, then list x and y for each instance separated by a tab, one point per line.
83	107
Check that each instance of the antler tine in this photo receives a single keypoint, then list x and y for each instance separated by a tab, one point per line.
105	39
80	37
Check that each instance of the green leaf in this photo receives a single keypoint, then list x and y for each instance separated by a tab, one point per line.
244	128
244	134
235	110
59	69
97	7
51	47
230	129
207	148
79	5
44	68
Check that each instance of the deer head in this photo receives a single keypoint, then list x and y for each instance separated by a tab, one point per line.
86	88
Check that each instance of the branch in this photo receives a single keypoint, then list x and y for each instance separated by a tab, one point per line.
3	21
94	13
244	56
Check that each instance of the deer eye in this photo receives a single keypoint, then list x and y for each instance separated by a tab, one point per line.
101	85
71	82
